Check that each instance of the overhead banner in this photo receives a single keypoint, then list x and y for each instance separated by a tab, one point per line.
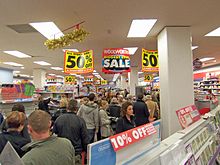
78	62
150	61
188	115
148	78
104	82
69	79
115	60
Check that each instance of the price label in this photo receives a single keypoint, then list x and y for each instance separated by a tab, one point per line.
70	79
148	78
78	62
104	82
150	61
121	140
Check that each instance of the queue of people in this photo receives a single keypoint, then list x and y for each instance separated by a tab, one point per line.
65	140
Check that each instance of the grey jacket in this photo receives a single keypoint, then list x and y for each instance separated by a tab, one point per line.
53	150
90	114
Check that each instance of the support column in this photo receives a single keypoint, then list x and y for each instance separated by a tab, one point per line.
39	78
176	75
6	76
118	83
133	79
123	82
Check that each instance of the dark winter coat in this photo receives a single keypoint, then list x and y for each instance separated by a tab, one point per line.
123	124
141	112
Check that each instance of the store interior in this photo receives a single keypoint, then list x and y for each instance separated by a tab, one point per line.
33	64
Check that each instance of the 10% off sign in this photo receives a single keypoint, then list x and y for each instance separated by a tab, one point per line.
121	140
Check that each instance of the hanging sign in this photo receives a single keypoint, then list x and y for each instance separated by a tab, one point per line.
88	80
150	61
115	60
69	79
188	115
78	62
148	78
97	81
104	82
121	140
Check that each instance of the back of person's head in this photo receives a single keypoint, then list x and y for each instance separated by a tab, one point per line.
114	100
18	107
104	104
72	105
39	121
140	96
15	119
124	107
91	97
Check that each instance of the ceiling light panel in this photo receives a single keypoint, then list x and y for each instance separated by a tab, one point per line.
141	27
42	63
214	33
194	47
56	68
72	50
17	54
12	63
47	29
207	59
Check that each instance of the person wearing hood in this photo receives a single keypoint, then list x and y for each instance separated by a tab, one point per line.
141	111
90	113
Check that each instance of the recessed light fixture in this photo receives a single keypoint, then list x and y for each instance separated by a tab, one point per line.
17	54
141	27
47	29
194	47
72	50
207	59
12	63
132	50
42	63
22	67
56	68
214	33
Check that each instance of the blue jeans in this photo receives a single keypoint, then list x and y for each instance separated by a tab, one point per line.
91	134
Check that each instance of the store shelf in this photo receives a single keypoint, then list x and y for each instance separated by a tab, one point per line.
212	160
203	148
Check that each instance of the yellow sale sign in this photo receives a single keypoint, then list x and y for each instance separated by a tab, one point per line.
150	61
148	78
69	79
104	82
78	62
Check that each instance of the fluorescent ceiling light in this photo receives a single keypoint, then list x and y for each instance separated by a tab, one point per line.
16	71
73	74
42	63
94	71
140	72
207	59
214	33
141	27
56	68
17	54
132	50
12	63
72	50
47	29
22	67
51	74
59	76
24	75
194	47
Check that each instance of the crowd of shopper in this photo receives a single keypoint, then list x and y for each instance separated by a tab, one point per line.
65	140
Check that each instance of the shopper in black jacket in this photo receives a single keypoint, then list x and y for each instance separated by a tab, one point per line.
125	122
141	111
15	122
73	127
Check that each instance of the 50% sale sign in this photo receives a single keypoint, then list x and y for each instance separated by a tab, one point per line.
121	140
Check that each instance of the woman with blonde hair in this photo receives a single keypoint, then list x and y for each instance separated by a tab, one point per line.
104	120
152	107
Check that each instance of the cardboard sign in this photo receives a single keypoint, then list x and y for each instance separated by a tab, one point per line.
104	82
121	140
115	60
188	115
69	79
78	62
150	61
148	78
